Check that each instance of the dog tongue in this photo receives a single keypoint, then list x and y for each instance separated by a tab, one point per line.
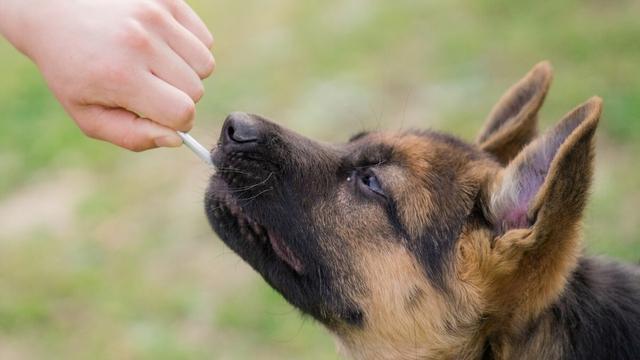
284	252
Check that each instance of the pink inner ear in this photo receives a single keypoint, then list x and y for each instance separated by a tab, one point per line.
516	219
531	171
529	178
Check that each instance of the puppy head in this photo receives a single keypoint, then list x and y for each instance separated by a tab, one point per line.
410	244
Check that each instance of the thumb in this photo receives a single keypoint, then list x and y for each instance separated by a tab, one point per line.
125	129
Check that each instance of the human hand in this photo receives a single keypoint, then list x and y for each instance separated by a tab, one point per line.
127	71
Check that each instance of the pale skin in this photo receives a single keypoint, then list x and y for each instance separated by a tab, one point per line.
127	71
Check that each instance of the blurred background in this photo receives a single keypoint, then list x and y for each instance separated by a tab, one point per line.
107	254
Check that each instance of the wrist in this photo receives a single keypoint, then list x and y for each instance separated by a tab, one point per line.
15	24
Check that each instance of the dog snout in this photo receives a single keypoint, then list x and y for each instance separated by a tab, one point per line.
241	131
246	137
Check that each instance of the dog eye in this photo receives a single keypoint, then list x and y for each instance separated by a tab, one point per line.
370	181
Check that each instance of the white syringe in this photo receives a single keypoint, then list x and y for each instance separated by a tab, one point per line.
197	148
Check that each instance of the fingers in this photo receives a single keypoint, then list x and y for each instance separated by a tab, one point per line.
179	38
189	48
125	129
170	67
157	100
191	21
168	47
178	59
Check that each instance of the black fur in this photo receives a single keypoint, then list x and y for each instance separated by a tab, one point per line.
599	312
278	182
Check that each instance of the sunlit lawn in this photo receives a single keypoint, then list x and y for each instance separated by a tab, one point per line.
107	254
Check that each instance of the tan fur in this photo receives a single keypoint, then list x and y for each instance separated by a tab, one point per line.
543	261
499	281
407	318
420	157
520	273
398	329
409	190
418	245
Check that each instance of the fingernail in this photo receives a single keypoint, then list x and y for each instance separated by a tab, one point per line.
168	141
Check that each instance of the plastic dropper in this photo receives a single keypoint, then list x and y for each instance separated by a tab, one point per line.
197	148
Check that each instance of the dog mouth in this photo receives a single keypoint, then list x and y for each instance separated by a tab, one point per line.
231	221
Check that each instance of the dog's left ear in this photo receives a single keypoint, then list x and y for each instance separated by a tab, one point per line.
535	205
550	176
513	121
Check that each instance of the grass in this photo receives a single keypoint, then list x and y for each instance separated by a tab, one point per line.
106	254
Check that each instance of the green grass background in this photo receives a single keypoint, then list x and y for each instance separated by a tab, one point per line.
107	254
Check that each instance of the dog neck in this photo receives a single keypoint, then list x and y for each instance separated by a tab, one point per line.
595	317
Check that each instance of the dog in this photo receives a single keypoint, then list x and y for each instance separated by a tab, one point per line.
418	245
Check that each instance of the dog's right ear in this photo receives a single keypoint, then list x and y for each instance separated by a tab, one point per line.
512	123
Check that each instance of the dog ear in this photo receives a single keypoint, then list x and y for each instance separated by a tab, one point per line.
551	174
512	122
536	204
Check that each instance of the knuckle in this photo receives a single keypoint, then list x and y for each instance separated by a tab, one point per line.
135	36
209	42
185	115
172	5
198	92
136	147
188	125
208	67
187	110
152	13
130	142
207	39
90	130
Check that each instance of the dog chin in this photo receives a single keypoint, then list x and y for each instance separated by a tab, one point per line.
252	239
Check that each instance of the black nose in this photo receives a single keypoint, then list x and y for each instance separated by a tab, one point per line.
240	130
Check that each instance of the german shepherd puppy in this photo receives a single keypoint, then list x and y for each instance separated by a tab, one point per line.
417	245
